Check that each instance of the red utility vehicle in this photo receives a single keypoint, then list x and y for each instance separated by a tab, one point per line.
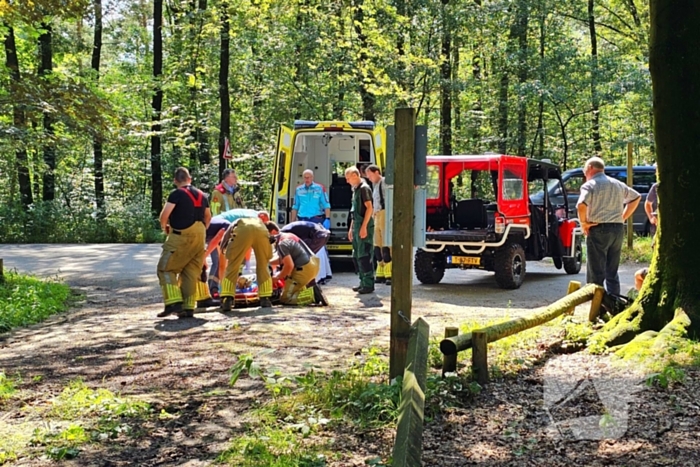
480	215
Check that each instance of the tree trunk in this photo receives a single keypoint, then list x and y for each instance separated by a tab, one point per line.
595	100
224	93
97	139
365	78
45	69
539	134
670	291
157	106
446	83
456	107
19	120
523	20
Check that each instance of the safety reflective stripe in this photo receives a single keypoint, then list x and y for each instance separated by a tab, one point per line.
265	289
188	303
171	294
202	291
228	288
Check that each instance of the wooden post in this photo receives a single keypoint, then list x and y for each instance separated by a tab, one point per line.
408	446
630	182
449	362
596	303
480	365
402	240
2	272
573	287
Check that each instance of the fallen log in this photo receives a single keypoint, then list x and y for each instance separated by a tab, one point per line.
453	345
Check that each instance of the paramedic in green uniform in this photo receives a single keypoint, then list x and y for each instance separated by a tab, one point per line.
361	232
184	218
244	234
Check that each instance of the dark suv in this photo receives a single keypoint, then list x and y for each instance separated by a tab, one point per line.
643	177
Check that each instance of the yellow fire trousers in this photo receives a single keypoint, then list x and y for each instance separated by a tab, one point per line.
295	291
180	265
384	264
247	234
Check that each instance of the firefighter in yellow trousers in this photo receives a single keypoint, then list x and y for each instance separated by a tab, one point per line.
184	218
299	266
241	236
382	253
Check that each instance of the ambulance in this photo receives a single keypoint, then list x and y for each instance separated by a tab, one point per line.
327	148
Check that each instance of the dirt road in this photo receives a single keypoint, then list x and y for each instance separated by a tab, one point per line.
114	340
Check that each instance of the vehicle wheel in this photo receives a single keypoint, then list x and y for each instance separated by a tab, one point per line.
510	266
430	267
573	265
557	262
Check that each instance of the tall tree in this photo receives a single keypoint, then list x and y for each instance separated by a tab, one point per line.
669	297
45	71
595	100
224	93
365	73
157	108
97	139
18	119
446	82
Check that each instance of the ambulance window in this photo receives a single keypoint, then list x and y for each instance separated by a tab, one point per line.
282	170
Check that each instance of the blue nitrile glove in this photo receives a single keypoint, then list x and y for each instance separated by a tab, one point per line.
327	224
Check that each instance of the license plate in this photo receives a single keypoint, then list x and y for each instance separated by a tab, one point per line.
465	260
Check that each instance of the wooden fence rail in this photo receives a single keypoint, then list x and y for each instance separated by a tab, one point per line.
408	446
452	345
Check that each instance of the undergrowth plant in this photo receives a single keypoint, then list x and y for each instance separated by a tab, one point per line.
26	300
284	431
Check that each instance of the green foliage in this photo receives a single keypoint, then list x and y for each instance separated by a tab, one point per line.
280	432
78	416
7	386
77	400
26	300
57	222
640	252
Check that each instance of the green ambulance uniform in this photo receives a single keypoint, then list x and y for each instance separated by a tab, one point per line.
246	234
362	247
180	263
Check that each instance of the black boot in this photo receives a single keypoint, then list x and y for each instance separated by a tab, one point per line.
227	304
186	314
365	290
172	309
208	303
356	288
265	302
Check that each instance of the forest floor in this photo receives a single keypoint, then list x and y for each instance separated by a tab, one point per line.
113	341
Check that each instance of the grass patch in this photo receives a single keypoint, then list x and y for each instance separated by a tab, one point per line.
296	426
27	300
77	416
639	253
7	386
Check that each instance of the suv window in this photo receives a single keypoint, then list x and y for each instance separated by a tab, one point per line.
573	184
641	180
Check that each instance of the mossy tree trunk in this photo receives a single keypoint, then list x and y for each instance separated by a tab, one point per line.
671	292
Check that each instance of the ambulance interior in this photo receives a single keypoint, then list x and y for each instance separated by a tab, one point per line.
328	154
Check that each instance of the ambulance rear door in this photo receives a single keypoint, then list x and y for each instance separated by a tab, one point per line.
279	209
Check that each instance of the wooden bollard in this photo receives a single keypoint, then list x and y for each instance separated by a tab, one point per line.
596	303
2	272
573	287
480	366
449	362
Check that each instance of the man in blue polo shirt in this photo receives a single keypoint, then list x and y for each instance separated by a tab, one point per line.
311	204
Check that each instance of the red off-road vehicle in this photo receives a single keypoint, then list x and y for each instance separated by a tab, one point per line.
481	215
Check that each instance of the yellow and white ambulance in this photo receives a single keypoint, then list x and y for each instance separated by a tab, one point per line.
327	148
